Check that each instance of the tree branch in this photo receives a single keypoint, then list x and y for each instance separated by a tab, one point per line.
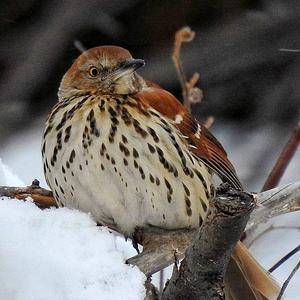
190	93
275	202
41	197
201	274
283	160
163	247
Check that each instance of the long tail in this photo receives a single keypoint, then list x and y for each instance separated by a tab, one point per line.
246	279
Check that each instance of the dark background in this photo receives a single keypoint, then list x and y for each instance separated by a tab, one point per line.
250	86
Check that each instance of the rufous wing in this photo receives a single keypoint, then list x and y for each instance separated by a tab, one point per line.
202	143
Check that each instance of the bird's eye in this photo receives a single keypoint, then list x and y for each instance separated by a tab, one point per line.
93	71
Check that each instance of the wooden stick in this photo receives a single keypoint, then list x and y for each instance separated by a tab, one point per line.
185	34
41	197
283	160
285	284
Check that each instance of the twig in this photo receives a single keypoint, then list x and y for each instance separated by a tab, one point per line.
209	122
151	291
284	259
185	35
275	202
161	280
283	160
289	50
41	197
79	46
284	286
270	228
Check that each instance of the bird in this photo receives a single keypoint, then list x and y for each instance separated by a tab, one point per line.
127	151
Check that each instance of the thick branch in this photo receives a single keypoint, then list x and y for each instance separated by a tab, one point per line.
201	274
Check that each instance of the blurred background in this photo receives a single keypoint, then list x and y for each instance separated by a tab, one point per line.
250	85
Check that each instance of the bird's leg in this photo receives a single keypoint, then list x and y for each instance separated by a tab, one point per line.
135	245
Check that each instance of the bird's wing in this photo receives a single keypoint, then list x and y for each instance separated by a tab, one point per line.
202	143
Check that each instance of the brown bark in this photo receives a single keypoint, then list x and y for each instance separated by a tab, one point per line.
201	273
41	197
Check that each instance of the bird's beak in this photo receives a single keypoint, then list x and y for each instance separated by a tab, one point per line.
128	67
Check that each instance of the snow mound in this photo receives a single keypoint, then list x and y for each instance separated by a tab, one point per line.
7	177
61	254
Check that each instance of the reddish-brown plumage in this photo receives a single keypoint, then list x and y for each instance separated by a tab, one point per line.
204	144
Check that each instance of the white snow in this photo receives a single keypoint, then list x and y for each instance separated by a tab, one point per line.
7	177
61	254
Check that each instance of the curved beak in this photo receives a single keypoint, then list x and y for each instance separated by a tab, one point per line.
128	67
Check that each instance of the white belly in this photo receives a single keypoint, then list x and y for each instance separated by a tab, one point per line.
126	182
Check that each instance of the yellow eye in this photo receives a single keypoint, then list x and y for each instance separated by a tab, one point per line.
93	71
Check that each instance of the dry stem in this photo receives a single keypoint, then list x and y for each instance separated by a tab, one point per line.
283	160
41	197
190	93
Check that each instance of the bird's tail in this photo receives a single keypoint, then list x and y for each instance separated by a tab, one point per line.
246	279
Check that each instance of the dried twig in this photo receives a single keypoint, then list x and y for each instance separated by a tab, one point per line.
209	122
288	50
284	259
275	202
161	280
249	242
190	93
79	46
285	284
283	160
41	197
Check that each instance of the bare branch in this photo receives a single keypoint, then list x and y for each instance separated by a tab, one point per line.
283	160
284	286
162	247
285	258
275	202
184	35
41	197
151	291
209	122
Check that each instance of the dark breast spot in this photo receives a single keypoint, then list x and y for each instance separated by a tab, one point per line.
153	134
151	178
72	156
135	153
187	191
124	139
151	148
67	133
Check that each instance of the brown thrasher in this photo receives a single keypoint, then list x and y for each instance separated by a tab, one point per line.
128	152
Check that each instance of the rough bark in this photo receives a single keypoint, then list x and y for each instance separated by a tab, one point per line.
201	273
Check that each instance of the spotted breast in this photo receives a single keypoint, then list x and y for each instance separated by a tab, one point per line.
126	163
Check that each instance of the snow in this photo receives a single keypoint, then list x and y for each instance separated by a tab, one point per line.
7	177
61	254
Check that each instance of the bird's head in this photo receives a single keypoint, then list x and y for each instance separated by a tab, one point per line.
102	70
